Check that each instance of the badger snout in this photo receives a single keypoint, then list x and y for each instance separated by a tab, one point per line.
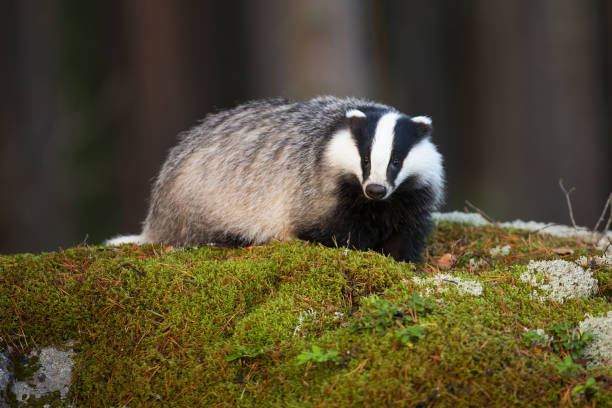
376	191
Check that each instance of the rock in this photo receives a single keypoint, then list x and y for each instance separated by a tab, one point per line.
50	380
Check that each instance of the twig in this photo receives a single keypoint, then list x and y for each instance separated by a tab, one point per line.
469	254
607	227
479	211
348	243
84	242
576	330
598	235
605	232
552	224
603	213
483	258
569	202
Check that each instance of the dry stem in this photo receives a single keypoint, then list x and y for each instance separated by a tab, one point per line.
569	202
479	211
603	214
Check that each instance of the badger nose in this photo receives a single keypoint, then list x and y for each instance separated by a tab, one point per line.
375	191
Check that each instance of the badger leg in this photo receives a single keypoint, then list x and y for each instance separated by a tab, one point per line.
406	245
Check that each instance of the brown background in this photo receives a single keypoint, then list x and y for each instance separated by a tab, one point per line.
94	93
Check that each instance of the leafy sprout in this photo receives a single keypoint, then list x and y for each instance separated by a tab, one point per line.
317	355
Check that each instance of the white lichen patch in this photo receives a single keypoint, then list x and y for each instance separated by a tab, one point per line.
477	263
563	231
599	350
559	280
304	316
443	282
458	216
605	243
535	295
496	251
604	260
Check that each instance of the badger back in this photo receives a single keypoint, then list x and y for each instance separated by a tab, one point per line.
241	173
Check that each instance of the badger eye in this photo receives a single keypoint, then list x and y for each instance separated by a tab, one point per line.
366	160
396	162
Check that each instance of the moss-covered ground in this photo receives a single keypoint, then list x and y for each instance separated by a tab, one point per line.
297	325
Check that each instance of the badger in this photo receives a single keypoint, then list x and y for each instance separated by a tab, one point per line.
338	171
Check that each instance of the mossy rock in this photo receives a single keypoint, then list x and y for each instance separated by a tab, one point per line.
185	327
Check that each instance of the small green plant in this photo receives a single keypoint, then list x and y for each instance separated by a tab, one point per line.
570	339
410	334
419	304
567	367
317	355
535	338
380	314
585	391
237	352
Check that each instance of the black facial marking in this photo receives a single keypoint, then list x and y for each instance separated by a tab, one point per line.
397	226
407	134
363	130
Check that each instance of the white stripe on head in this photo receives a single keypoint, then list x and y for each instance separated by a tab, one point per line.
382	145
342	153
425	162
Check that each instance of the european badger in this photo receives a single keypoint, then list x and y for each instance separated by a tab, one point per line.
339	171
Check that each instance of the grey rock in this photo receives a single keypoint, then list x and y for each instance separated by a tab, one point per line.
53	375
6	378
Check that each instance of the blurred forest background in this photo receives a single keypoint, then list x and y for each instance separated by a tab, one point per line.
93	94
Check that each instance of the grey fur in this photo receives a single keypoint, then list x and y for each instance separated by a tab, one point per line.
250	174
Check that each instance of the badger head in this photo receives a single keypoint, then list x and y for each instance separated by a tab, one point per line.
383	148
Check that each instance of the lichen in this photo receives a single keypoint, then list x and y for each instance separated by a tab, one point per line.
497	250
599	351
601	241
443	282
474	219
560	280
604	260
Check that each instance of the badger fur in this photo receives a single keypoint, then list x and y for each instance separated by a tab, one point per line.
339	171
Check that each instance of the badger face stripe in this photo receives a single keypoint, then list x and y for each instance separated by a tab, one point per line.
382	146
342	153
405	137
425	162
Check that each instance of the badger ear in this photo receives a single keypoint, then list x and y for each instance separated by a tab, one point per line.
355	113
356	119
423	124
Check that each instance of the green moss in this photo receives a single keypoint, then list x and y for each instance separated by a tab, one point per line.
156	325
50	400
22	367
